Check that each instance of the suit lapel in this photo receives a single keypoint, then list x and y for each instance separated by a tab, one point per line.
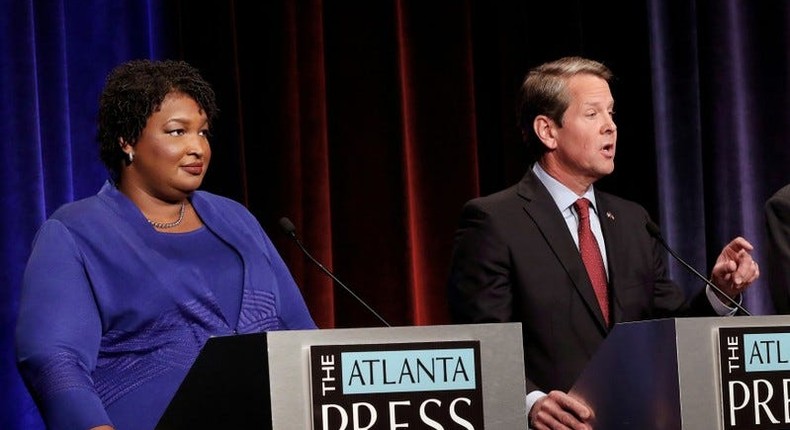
540	206
613	238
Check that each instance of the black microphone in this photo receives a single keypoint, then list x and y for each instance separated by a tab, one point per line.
290	229
654	231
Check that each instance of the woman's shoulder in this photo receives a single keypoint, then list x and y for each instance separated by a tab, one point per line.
216	207
217	201
91	208
88	207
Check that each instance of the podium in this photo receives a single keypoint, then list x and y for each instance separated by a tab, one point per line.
691	373
446	376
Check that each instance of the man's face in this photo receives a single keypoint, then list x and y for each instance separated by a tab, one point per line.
585	144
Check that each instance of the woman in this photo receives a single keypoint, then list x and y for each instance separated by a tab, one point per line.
122	289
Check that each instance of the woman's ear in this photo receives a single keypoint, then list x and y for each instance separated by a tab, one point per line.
128	149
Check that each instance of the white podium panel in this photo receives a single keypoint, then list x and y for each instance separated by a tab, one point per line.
448	376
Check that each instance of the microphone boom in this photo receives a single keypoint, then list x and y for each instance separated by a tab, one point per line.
290	230
654	231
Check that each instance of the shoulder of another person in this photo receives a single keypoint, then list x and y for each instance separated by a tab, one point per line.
780	196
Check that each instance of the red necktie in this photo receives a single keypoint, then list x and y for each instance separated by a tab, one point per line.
591	256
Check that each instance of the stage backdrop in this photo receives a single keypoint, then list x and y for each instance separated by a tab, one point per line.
370	123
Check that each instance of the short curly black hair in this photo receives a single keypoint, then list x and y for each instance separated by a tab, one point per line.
133	91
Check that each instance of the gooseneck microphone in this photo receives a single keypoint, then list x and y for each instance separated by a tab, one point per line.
289	229
654	231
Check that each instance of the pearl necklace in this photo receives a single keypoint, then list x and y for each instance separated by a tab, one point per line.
171	224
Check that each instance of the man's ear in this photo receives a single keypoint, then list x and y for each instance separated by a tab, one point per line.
545	129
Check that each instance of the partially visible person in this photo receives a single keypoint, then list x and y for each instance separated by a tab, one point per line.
122	289
777	225
517	252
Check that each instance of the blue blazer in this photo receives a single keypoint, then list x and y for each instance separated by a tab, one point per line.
111	316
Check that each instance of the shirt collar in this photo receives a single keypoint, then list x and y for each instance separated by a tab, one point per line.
563	197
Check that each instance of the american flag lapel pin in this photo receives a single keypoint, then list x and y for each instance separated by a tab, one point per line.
609	215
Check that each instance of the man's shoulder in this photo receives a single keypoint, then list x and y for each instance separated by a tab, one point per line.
612	200
628	213
497	200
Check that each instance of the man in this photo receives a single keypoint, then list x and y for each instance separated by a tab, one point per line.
517	253
777	224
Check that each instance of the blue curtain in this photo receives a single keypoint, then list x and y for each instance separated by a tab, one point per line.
721	109
54	56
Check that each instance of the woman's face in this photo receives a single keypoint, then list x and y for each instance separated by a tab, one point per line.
172	153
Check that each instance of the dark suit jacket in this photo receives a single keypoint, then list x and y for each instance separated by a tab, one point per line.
515	260
777	223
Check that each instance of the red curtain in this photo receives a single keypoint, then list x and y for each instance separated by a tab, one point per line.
369	124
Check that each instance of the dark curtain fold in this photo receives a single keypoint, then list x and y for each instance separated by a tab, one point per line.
438	134
369	124
677	117
720	82
285	113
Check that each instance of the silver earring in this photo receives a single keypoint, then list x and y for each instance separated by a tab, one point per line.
131	157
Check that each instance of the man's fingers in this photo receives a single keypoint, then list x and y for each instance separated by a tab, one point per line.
578	408
740	244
